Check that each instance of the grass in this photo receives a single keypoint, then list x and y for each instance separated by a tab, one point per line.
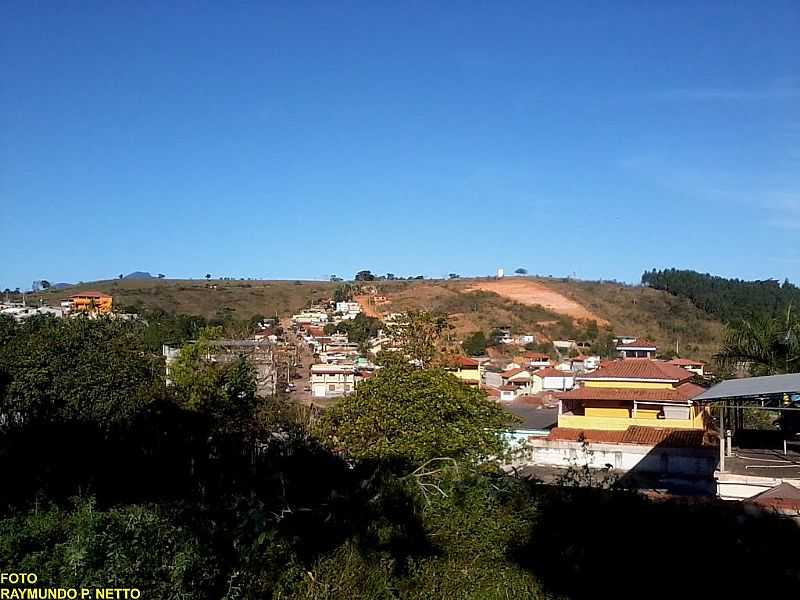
631	310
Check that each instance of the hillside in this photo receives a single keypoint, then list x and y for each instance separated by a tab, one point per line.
473	304
211	299
727	299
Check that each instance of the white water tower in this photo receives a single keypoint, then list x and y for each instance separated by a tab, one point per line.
500	272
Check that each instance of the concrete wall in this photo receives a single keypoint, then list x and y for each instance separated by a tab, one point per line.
645	459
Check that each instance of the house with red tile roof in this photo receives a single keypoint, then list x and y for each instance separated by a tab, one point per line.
695	366
466	369
637	349
638	391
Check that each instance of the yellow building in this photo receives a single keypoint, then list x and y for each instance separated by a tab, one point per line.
91	302
629	392
466	369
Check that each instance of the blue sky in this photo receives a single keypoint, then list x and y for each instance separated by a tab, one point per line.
296	140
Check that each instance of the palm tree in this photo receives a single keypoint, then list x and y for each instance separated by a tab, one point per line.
767	345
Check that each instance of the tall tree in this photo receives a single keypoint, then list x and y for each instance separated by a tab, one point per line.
415	415
766	345
423	337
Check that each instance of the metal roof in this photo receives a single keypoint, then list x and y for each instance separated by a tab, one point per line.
752	387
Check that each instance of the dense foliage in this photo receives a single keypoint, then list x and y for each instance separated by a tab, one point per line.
766	345
111	478
475	344
359	329
727	299
413	416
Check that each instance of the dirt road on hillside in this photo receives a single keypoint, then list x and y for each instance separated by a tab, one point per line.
367	308
527	291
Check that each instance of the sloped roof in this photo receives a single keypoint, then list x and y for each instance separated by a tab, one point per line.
686	362
783	495
465	361
90	295
679	395
639	368
512	372
753	387
637	343
635	434
552	372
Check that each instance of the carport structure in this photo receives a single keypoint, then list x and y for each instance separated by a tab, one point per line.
773	454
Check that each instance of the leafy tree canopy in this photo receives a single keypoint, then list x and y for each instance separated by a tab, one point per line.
766	345
423	337
475	344
415	415
89	370
727	299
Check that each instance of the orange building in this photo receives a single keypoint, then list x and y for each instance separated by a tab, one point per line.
91	302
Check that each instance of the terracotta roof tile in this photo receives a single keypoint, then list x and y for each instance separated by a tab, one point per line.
639	368
663	436
686	362
782	496
464	361
635	434
511	373
680	394
90	295
551	372
637	343
590	435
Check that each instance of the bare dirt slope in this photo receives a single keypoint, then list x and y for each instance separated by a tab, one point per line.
368	308
530	292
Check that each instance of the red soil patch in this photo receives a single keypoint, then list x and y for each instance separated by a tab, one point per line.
527	291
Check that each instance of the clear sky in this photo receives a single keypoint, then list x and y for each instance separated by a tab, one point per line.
297	140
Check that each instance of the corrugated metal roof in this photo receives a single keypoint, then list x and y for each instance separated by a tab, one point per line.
752	387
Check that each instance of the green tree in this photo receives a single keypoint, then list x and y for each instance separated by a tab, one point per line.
223	390
416	415
475	344
422	337
87	370
343	293
521	271
365	276
133	546
767	345
359	330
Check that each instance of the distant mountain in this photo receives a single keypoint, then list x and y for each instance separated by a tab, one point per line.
139	275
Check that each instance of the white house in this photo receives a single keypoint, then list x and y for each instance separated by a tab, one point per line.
509	393
310	317
331	381
637	349
552	380
349	310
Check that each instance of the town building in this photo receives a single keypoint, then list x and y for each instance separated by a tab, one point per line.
694	366
637	349
630	392
90	303
467	370
551	380
332	381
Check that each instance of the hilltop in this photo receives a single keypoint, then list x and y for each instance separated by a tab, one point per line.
552	308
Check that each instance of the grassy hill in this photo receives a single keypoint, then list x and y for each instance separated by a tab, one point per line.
211	299
629	310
